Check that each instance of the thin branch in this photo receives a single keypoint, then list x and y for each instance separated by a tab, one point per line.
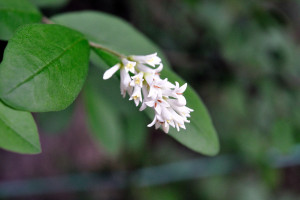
98	46
46	20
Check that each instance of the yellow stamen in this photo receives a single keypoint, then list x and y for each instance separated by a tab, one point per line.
129	66
150	60
137	81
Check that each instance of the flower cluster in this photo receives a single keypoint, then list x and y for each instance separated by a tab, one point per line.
140	79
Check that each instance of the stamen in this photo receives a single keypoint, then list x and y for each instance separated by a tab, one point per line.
150	60
129	66
137	81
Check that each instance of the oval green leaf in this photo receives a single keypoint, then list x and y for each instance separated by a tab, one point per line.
44	68
103	120
18	131
118	35
55	122
116	127
14	13
200	134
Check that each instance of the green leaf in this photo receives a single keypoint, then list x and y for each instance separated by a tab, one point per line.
282	135
200	134
116	127
18	131
55	122
136	131
44	68
103	121
14	13
110	32
119	36
50	3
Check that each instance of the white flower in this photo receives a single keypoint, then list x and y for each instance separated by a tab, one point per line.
137	80
136	95
124	82
146	98
178	93
157	104
150	74
143	84
108	73
157	87
129	65
151	59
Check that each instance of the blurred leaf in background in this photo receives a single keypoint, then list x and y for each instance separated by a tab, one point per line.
14	13
50	3
55	122
242	57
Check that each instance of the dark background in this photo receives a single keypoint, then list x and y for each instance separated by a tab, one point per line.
241	56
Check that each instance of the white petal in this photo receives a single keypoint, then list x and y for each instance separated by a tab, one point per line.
157	108
152	92
143	58
172	123
181	100
165	127
159	68
182	88
108	73
125	77
177	127
129	65
157	125
176	84
145	91
166	113
137	101
145	69
159	118
182	126
143	107
152	123
150	103
164	103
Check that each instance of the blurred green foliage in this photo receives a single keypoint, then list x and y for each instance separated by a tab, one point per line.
243	57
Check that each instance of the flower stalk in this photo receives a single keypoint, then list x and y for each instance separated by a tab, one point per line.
98	46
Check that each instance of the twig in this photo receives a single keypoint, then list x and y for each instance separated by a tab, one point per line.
46	20
98	46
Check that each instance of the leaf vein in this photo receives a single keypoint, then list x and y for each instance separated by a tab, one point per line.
19	11
16	133
45	66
